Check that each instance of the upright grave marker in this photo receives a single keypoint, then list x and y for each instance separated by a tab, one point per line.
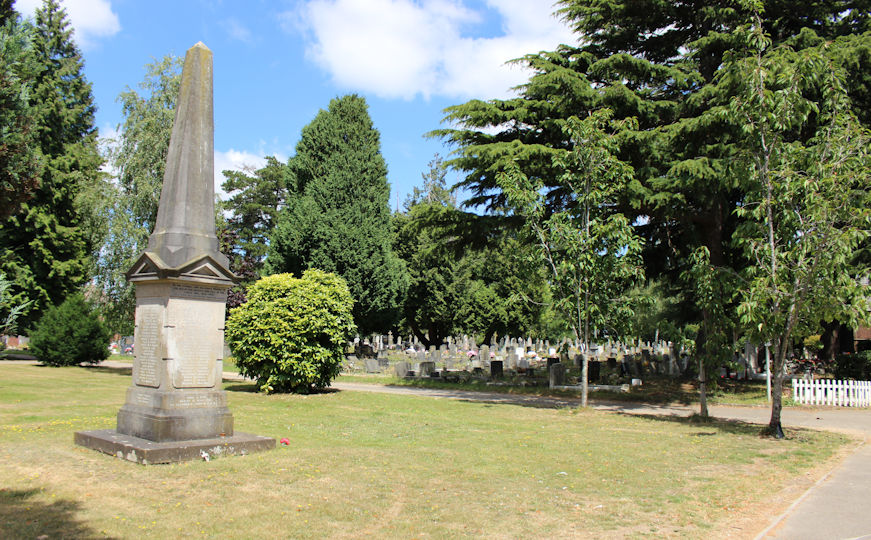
175	408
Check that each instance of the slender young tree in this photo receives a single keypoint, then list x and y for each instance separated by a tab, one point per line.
714	289
807	164
337	217
590	250
45	249
9	312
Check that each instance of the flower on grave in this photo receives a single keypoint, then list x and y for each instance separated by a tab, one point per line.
285	441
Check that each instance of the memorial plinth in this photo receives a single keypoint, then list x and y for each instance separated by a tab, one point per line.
175	407
178	345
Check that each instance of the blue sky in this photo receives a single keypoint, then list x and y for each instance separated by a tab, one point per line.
277	62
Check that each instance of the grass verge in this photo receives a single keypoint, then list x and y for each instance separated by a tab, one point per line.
386	466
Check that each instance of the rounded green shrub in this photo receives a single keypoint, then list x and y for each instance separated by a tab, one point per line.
70	334
290	334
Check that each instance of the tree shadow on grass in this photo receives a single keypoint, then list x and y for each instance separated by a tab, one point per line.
22	516
123	371
251	388
714	426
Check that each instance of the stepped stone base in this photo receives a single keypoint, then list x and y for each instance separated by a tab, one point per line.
147	452
160	425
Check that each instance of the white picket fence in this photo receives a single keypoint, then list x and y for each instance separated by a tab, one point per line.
832	392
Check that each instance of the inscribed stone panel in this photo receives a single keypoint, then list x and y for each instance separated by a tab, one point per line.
196	341
147	345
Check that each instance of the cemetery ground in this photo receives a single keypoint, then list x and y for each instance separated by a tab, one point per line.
659	390
365	464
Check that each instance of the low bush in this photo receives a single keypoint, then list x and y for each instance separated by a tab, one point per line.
70	334
290	334
853	366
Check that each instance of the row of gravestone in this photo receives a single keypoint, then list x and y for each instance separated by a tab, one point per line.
659	358
635	366
555	369
378	342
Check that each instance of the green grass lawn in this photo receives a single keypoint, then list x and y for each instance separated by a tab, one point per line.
389	466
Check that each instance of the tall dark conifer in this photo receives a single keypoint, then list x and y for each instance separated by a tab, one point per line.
7	12
45	249
337	217
20	158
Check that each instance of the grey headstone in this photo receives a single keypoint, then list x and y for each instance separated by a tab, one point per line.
372	366
556	374
401	369
426	369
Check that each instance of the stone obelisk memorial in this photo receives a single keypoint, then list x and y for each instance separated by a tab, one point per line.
176	409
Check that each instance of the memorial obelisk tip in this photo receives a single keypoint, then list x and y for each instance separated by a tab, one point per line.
185	226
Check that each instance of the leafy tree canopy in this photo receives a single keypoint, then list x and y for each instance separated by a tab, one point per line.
654	62
138	159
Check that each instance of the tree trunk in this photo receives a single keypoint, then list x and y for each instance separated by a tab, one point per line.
584	378
701	353
714	236
488	337
831	341
703	389
774	426
423	338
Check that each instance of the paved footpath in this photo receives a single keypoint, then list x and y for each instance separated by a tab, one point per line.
837	507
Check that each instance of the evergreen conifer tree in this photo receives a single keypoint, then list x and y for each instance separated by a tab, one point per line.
45	249
20	160
337	217
254	198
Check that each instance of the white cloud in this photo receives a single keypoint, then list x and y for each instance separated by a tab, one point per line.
91	19
106	142
405	48
237	30
234	160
